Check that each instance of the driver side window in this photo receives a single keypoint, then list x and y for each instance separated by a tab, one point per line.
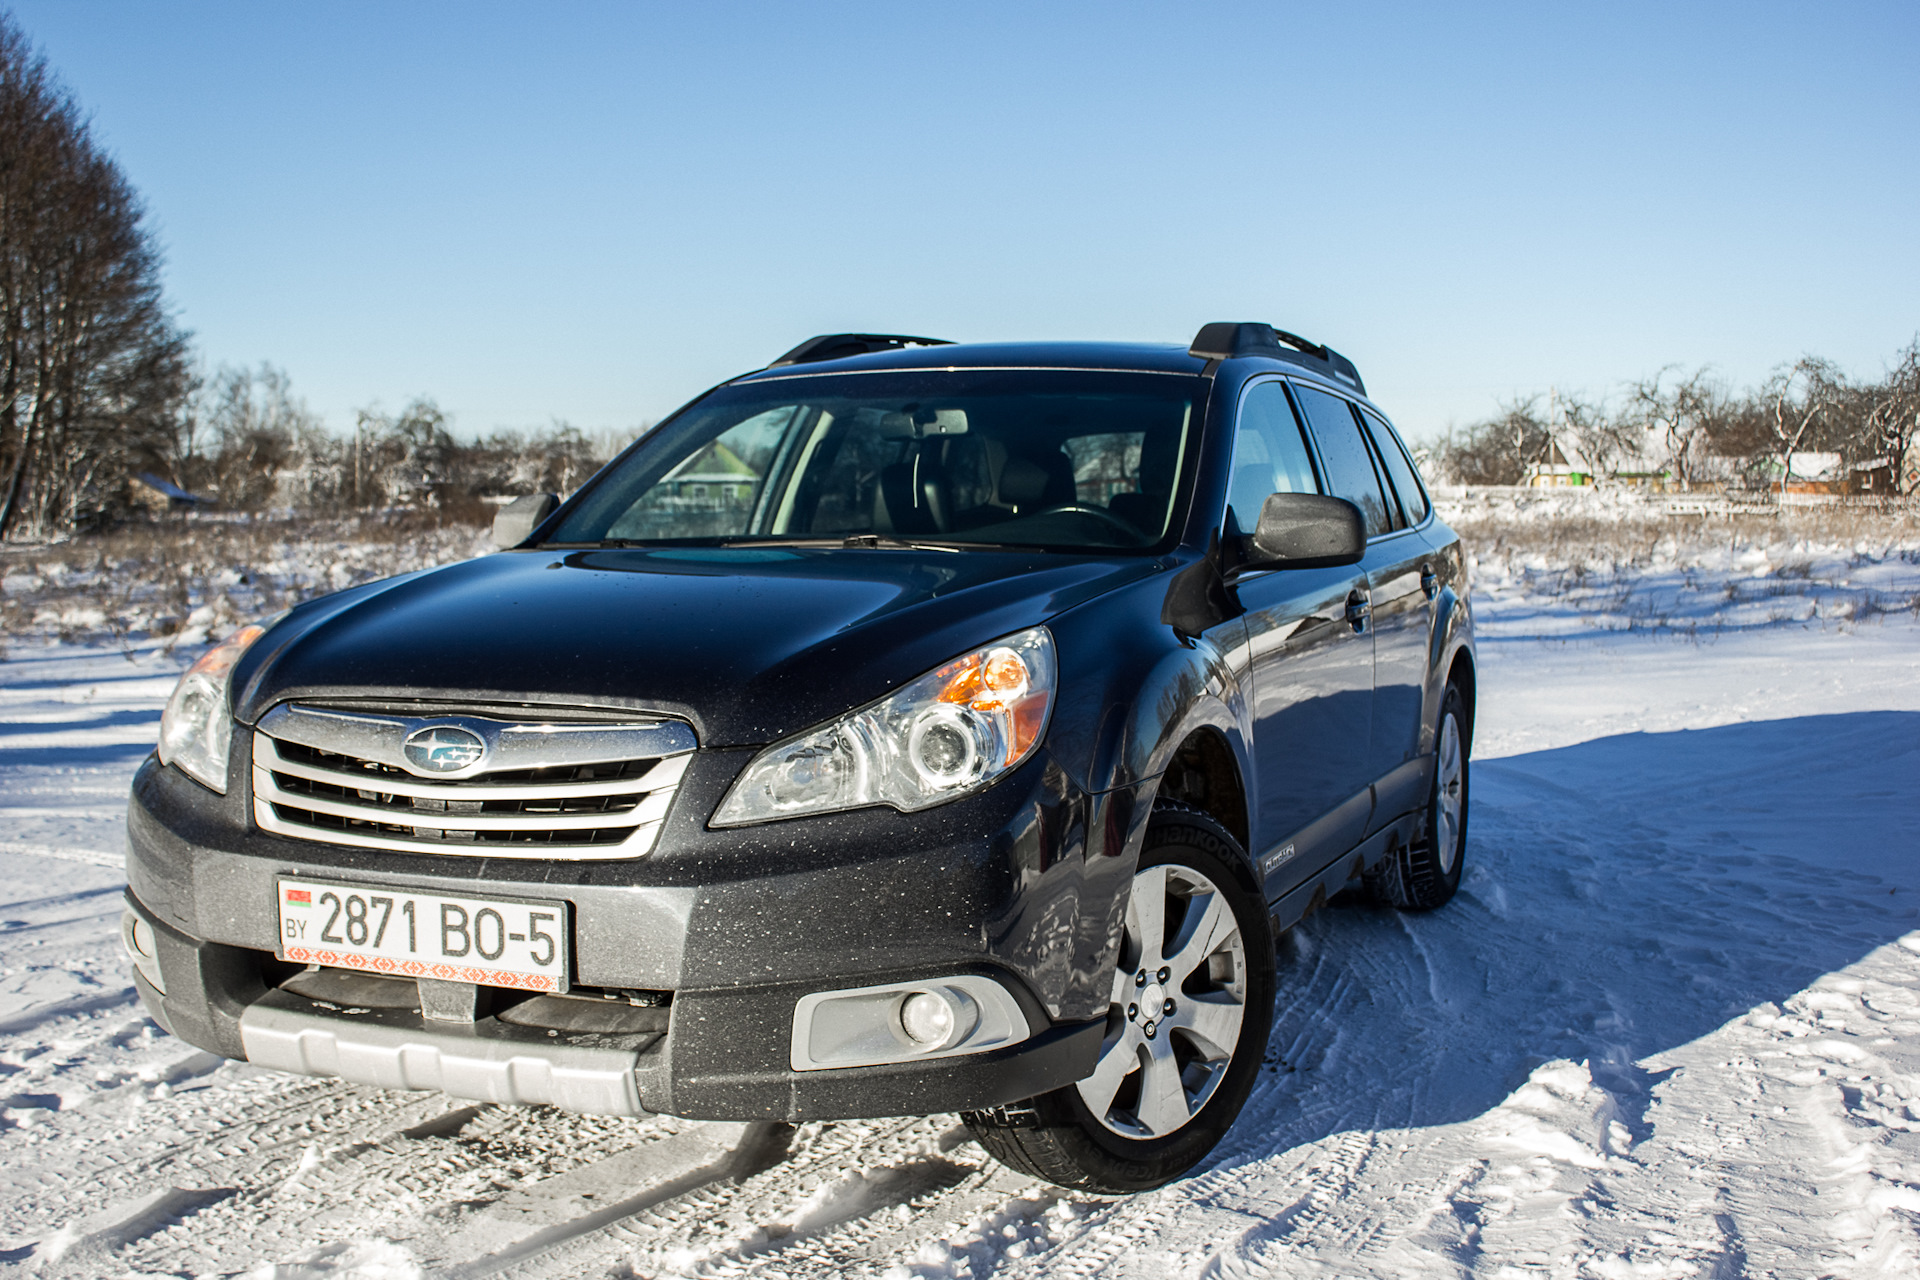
1269	455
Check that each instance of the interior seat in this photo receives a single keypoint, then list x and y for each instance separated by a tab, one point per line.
911	497
1146	509
1030	482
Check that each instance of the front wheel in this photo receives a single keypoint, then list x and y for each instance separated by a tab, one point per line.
1192	1003
1425	875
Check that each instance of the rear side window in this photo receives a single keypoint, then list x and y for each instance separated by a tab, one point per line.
1350	470
1405	481
1269	454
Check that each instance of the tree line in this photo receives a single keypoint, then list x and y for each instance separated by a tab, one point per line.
244	440
1694	431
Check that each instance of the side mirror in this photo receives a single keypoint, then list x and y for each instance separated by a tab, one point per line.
1306	531
519	518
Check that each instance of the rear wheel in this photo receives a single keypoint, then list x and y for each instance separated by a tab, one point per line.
1425	874
1192	1003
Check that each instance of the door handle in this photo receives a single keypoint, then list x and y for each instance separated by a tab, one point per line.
1359	609
1429	581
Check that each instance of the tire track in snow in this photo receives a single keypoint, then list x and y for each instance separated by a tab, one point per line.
819	1211
65	853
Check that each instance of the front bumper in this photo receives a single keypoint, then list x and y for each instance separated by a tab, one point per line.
1022	884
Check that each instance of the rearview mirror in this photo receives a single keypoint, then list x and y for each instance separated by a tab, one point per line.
1306	531
519	518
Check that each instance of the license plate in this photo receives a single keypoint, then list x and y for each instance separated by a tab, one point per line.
497	942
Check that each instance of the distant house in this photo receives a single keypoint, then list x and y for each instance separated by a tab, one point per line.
1816	472
160	496
1874	476
1558	470
1652	481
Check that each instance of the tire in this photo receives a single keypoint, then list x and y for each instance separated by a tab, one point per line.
1426	873
1115	1132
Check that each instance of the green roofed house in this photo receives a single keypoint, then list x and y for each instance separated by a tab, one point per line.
1558	470
715	475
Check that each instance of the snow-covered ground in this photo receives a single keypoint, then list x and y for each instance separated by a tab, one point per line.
1670	1027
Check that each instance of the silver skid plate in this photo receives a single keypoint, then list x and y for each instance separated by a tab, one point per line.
595	1081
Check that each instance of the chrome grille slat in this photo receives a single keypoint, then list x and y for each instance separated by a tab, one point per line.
339	777
650	809
664	774
513	744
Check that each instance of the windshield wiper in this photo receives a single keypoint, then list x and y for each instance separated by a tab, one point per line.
855	541
778	542
848	542
888	541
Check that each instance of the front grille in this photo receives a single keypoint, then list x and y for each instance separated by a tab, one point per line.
573	789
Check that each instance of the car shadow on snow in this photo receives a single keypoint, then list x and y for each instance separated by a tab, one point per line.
1622	896
125	755
83	722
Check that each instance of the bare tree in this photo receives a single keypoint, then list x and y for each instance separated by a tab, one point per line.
1605	442
1682	416
1893	422
256	427
1805	397
1498	450
92	370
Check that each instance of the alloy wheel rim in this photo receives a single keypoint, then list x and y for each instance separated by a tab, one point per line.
1179	999
1447	795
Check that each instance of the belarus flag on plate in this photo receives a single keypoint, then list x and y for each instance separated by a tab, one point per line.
301	896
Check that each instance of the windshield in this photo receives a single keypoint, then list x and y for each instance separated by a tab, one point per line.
1062	459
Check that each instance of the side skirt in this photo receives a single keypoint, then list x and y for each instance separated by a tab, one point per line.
1312	894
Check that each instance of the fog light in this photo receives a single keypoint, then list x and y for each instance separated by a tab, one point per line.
938	1018
904	1022
927	1019
136	935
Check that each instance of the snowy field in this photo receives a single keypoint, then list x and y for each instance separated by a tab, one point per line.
1669	1028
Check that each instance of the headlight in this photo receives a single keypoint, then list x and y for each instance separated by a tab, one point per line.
949	733
197	727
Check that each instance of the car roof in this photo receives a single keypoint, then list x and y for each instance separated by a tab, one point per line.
1136	357
1146	357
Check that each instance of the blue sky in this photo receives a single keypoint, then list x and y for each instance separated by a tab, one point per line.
593	211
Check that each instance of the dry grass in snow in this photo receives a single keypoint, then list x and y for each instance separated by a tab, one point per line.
1625	562
1622	562
182	583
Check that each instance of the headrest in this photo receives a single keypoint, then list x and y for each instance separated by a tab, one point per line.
1022	482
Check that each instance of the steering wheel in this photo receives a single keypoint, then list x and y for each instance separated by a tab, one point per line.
1113	521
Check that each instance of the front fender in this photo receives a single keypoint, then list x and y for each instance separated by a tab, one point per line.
1132	690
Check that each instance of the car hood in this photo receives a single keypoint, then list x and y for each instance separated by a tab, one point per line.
746	644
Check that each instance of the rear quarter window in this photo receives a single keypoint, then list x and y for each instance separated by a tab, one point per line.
1349	463
1406	481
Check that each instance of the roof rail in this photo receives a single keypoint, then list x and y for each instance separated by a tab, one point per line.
838	346
1225	339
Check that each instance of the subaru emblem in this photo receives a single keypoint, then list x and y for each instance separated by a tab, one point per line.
443	748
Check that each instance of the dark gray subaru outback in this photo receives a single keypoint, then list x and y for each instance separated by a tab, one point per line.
905	727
